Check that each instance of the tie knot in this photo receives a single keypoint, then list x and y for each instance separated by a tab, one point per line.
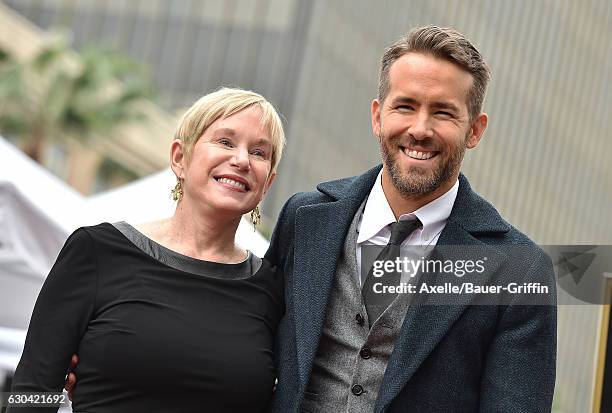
401	229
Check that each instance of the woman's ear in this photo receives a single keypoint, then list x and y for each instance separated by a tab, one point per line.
177	158
269	181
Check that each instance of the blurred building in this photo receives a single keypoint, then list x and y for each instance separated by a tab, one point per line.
544	161
192	46
130	150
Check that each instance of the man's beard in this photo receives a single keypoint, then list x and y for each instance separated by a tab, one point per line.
419	181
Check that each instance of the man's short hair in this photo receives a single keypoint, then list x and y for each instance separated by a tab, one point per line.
444	43
227	102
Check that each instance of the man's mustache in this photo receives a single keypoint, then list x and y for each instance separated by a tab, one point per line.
427	144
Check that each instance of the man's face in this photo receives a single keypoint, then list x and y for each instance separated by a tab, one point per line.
424	126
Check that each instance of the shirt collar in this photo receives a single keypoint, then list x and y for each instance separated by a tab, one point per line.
377	213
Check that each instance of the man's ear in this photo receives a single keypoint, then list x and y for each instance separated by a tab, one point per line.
477	130
375	109
177	158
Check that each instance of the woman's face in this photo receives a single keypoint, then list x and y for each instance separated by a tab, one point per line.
229	169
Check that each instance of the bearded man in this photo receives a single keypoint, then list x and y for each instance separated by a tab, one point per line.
337	350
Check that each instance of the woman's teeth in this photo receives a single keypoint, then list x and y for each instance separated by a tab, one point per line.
232	182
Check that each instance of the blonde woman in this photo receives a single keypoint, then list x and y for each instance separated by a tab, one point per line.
172	315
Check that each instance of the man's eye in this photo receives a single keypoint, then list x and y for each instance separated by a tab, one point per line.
445	114
405	107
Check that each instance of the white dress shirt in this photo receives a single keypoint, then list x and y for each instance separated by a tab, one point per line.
377	215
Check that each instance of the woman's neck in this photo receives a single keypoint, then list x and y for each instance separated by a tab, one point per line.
197	235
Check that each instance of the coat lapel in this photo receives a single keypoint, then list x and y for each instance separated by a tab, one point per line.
321	230
425	325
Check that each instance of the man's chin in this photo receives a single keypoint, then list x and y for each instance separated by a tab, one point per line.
415	185
418	181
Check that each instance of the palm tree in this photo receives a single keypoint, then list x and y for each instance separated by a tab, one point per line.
58	93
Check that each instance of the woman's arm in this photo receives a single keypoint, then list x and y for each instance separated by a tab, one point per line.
63	309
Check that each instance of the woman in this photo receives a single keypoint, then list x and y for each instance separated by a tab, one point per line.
171	316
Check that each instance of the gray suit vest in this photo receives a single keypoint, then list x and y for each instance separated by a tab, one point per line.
351	358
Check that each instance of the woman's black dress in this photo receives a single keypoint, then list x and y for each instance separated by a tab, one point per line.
155	331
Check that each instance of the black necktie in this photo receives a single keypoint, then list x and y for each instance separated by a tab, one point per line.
376	303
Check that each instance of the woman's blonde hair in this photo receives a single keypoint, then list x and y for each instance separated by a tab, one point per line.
221	104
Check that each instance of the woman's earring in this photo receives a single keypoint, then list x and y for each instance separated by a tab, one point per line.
255	217
177	192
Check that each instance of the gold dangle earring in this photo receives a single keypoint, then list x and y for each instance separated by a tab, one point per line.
255	217
177	192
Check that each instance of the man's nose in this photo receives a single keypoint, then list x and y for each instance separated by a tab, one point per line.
421	127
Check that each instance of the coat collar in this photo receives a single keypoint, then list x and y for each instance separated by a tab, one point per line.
356	186
471	211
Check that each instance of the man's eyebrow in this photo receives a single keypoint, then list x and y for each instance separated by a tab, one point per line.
403	99
436	104
446	105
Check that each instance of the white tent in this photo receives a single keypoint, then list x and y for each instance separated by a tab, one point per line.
37	213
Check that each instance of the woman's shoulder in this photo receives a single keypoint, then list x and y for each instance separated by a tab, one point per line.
96	235
266	271
101	229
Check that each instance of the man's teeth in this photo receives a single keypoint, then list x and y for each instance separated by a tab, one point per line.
419	155
233	183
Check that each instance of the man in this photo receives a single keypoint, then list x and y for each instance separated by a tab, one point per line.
333	354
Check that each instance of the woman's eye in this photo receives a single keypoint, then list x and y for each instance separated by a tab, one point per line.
225	142
259	152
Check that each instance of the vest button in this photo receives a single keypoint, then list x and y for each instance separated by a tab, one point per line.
357	390
359	318
365	353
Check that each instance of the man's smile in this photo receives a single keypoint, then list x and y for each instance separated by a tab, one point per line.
418	155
